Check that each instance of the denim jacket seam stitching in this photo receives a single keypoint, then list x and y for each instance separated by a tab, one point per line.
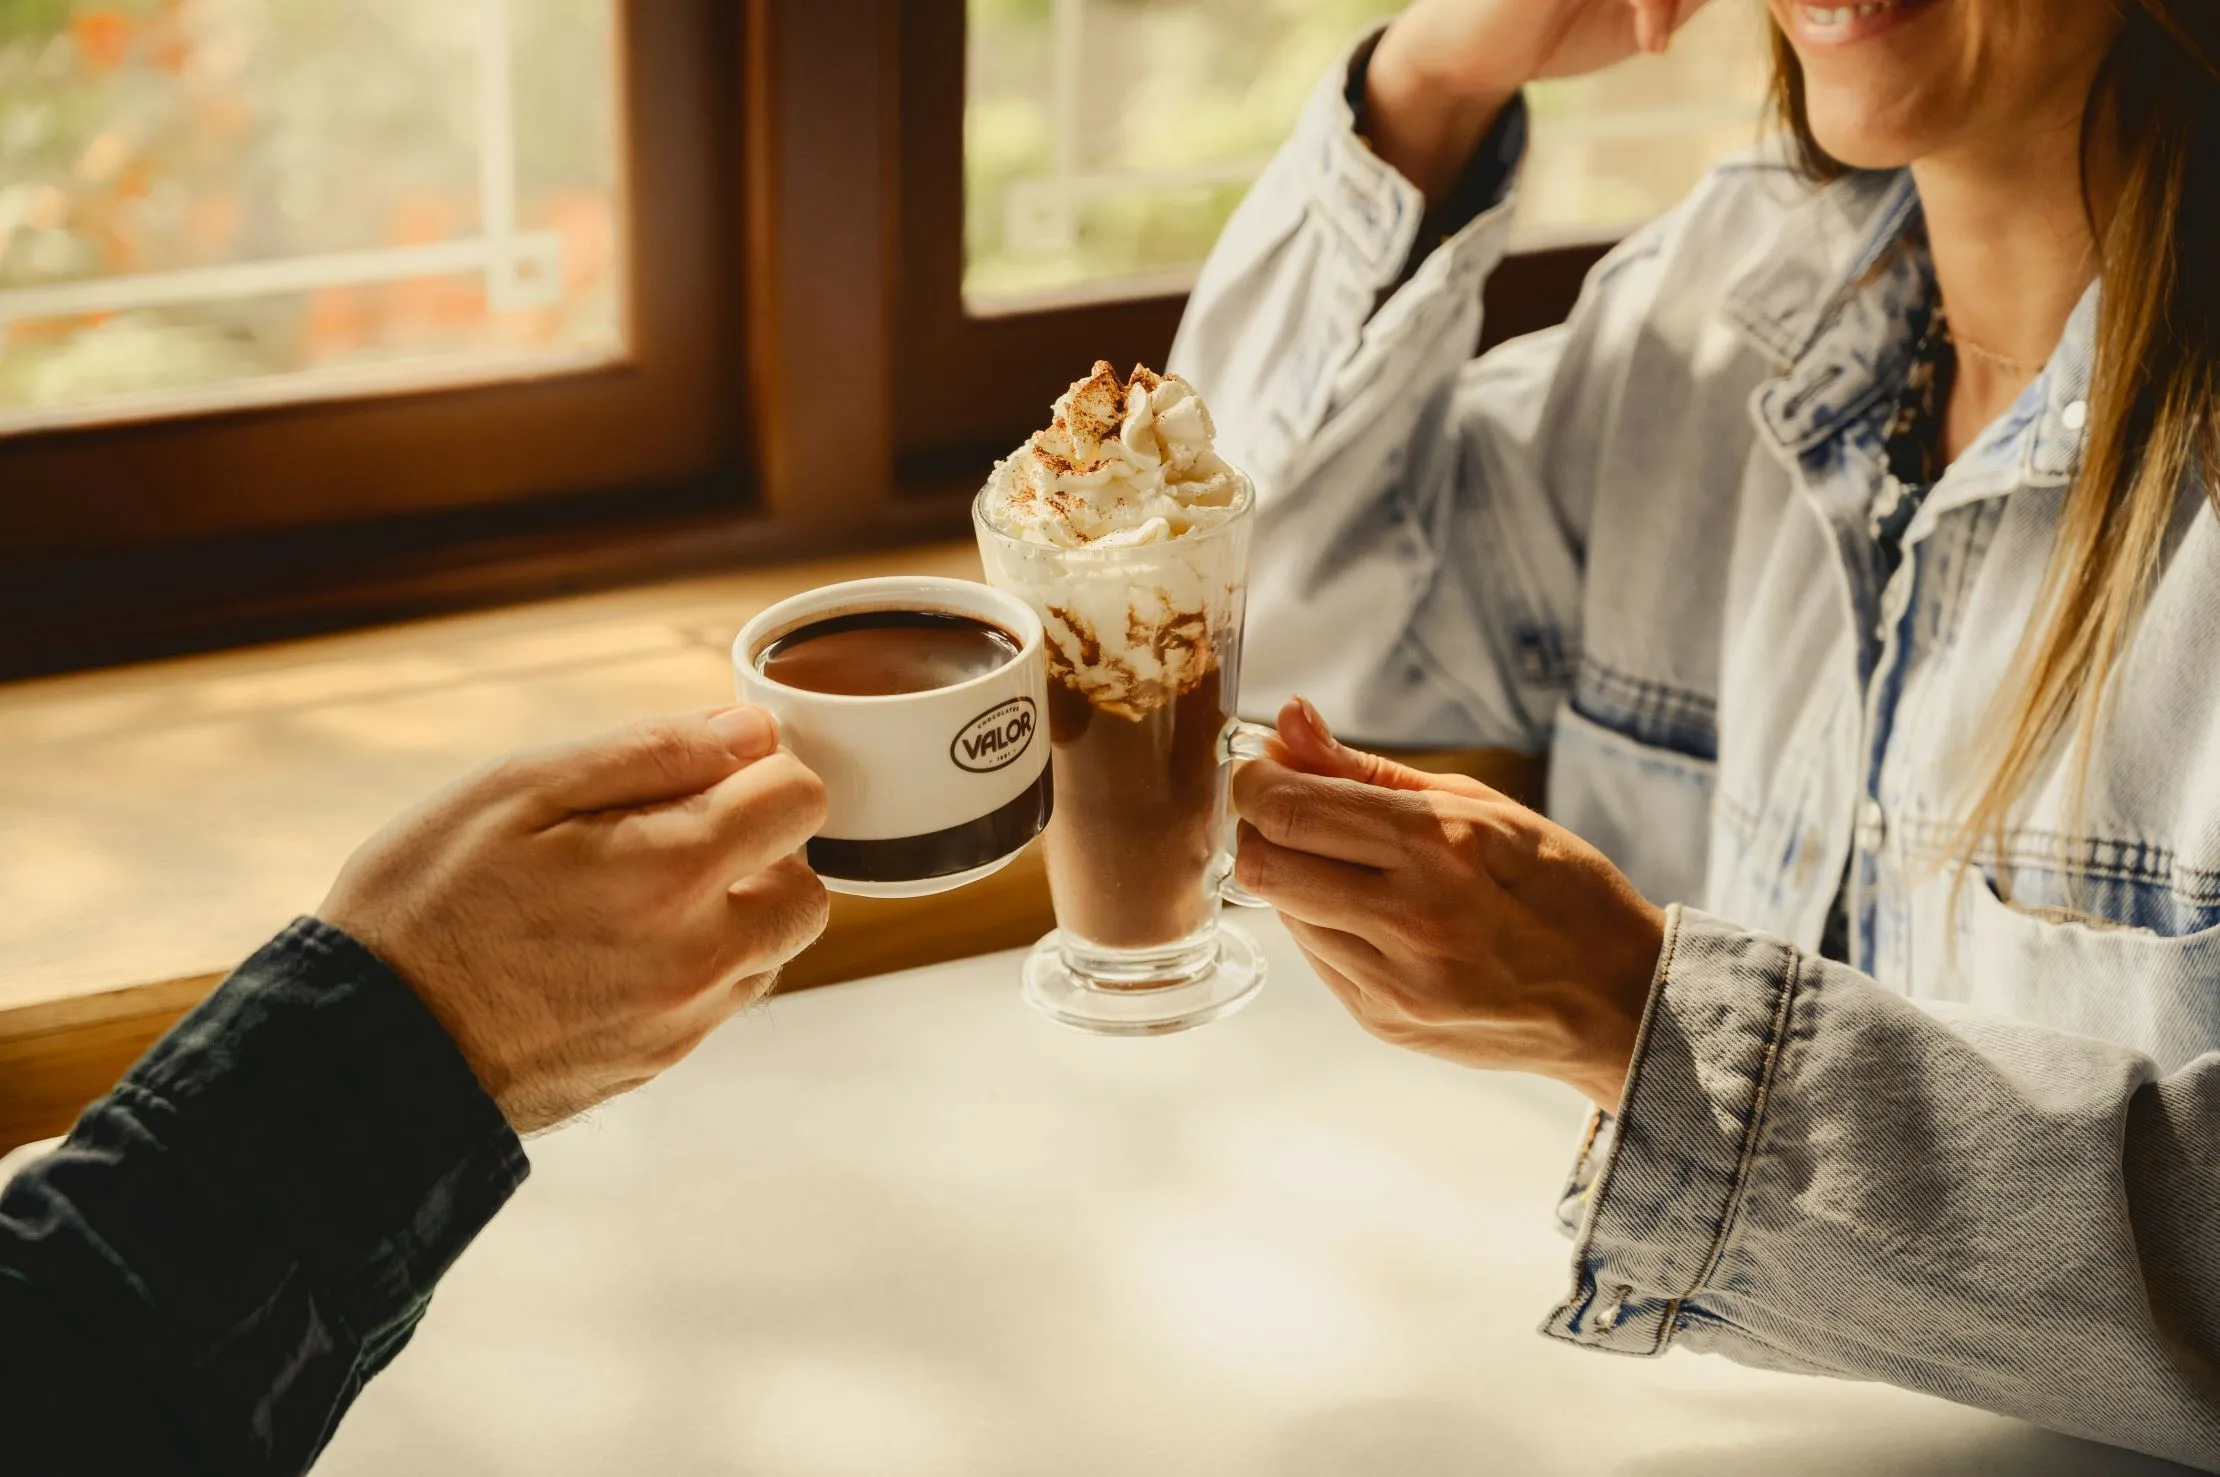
1341	158
1835	426
1600	1195
1764	329
1629	726
1588	1139
1375	351
1738	1189
1655	714
1768	1068
1647	243
1743	1331
2100	856
1356	169
1951	616
1531	610
1670	703
1512	580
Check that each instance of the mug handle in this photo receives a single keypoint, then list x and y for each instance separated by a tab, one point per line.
1239	741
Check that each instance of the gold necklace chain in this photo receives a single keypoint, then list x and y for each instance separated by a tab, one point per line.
2004	362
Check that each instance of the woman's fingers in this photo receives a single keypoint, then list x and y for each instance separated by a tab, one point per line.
1337	818
1314	888
1357	974
1312	748
1325	948
1356	959
1653	23
1656	21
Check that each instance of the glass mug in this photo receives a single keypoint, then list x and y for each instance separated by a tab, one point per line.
1144	666
925	791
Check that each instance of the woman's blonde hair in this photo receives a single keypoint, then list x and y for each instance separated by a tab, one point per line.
2154	399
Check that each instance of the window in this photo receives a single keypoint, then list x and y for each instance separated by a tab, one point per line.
242	201
1106	141
319	311
312	311
1066	164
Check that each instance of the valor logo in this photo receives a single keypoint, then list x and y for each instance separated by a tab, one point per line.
995	738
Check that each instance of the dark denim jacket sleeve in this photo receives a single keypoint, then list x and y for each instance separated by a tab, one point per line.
231	1243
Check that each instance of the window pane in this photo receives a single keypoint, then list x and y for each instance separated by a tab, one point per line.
1106	141
214	202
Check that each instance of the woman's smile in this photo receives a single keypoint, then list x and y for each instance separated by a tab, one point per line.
1818	26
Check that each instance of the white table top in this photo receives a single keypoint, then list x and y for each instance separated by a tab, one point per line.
905	1227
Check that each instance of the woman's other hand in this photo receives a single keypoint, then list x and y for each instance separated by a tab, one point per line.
1446	68
578	918
1446	917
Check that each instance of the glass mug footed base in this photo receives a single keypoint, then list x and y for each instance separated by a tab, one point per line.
1160	988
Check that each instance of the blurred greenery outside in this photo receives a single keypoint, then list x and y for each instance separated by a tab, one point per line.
156	136
1183	88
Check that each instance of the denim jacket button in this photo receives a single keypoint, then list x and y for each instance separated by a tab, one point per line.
1873	822
1607	1318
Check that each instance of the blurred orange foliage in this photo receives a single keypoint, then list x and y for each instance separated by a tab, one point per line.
103	37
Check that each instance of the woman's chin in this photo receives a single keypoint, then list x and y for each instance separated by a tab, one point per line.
1861	153
1861	140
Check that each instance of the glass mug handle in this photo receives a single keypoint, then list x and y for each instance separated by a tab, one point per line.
1239	741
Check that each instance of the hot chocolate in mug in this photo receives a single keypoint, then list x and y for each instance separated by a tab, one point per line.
926	790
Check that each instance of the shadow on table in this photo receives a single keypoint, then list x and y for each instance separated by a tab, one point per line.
2009	1452
1429	1438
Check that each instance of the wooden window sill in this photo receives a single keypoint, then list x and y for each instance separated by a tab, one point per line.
158	822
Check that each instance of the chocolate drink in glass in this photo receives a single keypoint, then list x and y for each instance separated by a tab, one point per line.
1129	535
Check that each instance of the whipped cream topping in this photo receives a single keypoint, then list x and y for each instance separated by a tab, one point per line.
1123	462
1105	518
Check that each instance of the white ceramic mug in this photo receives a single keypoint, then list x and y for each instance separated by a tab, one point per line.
926	791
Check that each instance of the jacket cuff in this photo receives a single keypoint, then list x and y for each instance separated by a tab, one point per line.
1658	1187
1377	214
316	1091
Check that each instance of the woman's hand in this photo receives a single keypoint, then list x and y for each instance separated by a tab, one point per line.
580	917
1446	917
1445	68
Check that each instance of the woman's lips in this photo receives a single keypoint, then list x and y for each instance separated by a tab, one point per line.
1840	25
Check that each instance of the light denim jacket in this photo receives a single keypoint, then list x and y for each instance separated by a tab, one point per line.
1983	1160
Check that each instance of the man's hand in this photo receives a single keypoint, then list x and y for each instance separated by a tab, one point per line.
581	916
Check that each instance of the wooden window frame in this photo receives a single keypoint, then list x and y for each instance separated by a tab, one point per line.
659	414
804	379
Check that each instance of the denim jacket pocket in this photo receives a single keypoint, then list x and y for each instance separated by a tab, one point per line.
2134	985
1646	807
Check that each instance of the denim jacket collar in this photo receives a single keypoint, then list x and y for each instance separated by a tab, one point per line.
1830	297
1819	298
